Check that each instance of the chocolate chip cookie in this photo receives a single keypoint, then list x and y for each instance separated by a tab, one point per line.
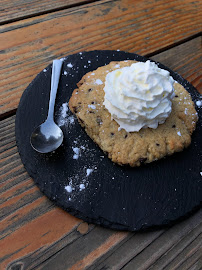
132	148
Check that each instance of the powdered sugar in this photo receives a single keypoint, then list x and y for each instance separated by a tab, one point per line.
199	103
185	110
81	187
89	171
69	65
79	182
76	151
65	116
82	148
98	81
68	188
65	109
92	107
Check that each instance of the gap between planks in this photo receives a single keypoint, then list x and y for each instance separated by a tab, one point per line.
193	42
122	24
18	14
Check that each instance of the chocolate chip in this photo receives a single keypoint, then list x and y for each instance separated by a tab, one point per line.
75	109
79	102
157	144
99	120
91	112
80	120
173	126
126	136
93	102
112	134
142	160
90	89
176	95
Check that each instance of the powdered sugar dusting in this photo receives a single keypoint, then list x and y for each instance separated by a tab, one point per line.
179	133
65	116
199	103
81	187
79	181
70	65
92	107
63	59
82	149
76	152
89	171
68	188
98	81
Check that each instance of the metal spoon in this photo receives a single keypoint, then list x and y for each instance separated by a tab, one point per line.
48	136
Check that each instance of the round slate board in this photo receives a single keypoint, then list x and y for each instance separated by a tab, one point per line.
117	197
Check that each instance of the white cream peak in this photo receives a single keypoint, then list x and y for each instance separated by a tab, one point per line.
139	96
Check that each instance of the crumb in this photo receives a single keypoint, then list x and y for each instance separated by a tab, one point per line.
70	65
89	171
68	189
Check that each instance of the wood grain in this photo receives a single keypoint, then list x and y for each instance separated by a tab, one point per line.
36	234
144	27
19	9
186	59
156	250
183	235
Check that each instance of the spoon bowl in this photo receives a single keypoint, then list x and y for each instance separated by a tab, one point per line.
47	137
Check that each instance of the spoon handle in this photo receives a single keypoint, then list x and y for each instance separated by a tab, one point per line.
56	70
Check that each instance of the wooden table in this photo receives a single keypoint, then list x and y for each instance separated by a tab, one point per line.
35	234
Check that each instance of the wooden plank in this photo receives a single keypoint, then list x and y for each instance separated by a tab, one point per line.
190	229
89	248
34	237
178	58
123	253
190	255
25	211
19	9
143	249
189	247
24	206
197	265
28	46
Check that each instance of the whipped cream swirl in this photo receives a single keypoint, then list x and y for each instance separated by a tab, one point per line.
139	96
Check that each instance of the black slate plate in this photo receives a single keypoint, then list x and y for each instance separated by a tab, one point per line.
117	197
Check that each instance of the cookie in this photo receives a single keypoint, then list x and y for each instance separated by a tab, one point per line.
132	148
